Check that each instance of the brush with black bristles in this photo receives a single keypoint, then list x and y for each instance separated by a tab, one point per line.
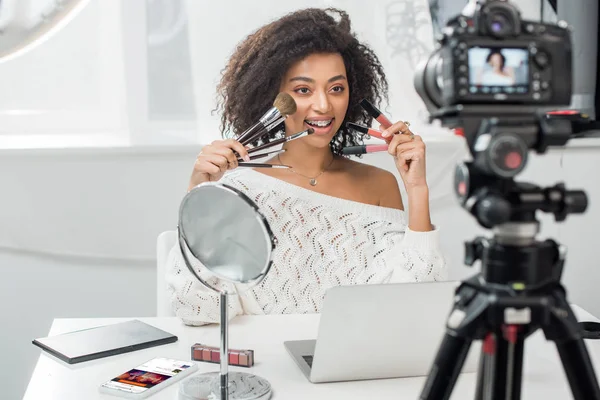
283	106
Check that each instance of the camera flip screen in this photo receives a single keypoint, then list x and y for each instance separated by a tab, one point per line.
493	70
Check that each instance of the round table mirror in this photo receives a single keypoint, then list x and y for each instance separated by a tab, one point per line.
223	235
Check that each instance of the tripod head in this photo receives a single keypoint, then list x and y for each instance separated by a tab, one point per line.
486	188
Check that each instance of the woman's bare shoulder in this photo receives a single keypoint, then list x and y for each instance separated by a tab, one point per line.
380	184
364	170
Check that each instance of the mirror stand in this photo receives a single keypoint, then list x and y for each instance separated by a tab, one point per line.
224	385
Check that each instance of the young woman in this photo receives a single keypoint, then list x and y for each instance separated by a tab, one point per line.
497	73
337	221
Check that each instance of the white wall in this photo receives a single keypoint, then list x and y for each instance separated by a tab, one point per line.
79	225
106	199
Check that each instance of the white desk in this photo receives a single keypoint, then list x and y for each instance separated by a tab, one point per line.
52	379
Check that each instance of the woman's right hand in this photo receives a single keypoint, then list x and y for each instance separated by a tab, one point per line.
215	159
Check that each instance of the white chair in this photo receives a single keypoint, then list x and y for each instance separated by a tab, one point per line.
165	242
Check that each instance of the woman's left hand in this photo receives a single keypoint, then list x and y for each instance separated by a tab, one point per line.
409	154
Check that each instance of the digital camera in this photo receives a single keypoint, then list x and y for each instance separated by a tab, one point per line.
495	57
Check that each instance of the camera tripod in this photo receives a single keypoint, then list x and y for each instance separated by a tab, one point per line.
518	289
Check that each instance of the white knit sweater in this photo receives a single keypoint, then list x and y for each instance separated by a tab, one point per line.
322	241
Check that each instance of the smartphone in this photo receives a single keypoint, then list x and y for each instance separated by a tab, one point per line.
148	378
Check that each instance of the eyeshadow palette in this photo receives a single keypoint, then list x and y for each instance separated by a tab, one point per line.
211	354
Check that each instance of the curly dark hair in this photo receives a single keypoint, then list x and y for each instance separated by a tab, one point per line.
251	79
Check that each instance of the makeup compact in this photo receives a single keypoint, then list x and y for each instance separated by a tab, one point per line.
211	354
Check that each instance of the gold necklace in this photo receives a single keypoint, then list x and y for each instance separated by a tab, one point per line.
312	180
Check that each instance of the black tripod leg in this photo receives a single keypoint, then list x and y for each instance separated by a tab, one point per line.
486	372
563	329
446	367
462	327
500	369
579	370
514	365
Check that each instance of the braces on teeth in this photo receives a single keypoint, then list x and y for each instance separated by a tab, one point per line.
319	123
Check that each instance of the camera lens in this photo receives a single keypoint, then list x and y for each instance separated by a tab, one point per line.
428	80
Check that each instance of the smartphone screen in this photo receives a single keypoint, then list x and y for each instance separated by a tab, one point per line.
147	375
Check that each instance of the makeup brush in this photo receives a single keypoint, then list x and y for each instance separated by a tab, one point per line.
262	165
279	141
275	123
283	106
261	155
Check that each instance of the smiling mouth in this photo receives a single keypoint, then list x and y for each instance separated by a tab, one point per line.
319	124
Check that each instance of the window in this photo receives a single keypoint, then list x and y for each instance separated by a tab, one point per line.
70	85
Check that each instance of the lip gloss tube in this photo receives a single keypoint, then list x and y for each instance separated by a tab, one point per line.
364	149
212	354
375	113
368	131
